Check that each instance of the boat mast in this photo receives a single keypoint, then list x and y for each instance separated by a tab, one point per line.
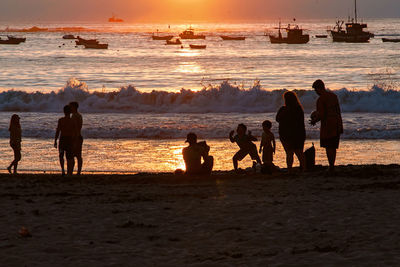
355	9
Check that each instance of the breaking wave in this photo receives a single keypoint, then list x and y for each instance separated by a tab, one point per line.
224	98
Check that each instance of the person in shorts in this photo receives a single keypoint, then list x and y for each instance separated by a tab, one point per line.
65	130
77	139
328	112
246	145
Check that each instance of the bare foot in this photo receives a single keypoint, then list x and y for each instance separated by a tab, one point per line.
9	169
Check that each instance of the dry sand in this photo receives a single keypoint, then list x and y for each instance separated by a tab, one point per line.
227	220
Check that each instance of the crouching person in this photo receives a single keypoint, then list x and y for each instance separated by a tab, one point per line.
192	156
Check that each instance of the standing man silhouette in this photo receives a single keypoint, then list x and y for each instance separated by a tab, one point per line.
78	139
328	112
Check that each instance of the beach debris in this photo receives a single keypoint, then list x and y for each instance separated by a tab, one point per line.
24	232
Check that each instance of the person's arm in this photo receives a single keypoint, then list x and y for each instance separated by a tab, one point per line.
231	136
321	109
57	134
261	144
278	117
251	137
273	143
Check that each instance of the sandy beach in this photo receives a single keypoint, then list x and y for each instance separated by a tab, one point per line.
227	219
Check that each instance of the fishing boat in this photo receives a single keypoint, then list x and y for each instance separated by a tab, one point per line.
192	46
115	19
96	46
321	36
174	42
69	37
82	41
354	32
232	38
12	40
162	37
294	35
388	40
189	34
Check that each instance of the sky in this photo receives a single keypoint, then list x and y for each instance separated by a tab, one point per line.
191	10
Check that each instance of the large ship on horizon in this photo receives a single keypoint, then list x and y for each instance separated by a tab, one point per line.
354	32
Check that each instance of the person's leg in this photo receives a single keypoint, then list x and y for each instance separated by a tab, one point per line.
235	163
331	154
13	162
289	159
17	158
70	166
79	162
300	156
61	158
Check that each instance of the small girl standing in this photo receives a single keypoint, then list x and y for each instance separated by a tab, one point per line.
267	146
15	141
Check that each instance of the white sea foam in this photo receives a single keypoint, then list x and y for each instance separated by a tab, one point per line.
224	98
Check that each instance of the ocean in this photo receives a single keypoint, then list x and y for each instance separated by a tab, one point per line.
140	97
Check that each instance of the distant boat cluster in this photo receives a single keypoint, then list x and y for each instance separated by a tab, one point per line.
350	32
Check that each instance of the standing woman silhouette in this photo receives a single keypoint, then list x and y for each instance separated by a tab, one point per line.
15	141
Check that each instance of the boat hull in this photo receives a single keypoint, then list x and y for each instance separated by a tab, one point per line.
281	40
386	40
198	46
192	37
96	46
162	38
349	38
233	38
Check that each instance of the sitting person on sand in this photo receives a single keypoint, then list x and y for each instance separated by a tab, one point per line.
267	145
192	156
246	145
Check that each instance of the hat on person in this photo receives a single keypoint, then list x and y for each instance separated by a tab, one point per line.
191	138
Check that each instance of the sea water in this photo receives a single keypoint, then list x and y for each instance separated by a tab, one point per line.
140	97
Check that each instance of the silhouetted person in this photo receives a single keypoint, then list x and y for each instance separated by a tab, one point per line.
192	156
15	141
328	112
65	130
78	139
267	145
246	145
292	131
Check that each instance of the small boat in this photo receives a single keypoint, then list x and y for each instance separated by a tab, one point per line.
232	38
354	32
174	42
189	34
162	37
115	19
321	36
192	46
69	37
96	46
294	36
386	40
82	41
12	40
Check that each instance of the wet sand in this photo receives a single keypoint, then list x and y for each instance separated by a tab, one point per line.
351	219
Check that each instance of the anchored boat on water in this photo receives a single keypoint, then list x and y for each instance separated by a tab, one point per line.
354	32
294	35
189	34
12	40
232	38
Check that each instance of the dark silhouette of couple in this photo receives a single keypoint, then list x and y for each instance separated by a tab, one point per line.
70	142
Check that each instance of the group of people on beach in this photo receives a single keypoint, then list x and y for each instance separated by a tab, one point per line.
292	134
68	134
